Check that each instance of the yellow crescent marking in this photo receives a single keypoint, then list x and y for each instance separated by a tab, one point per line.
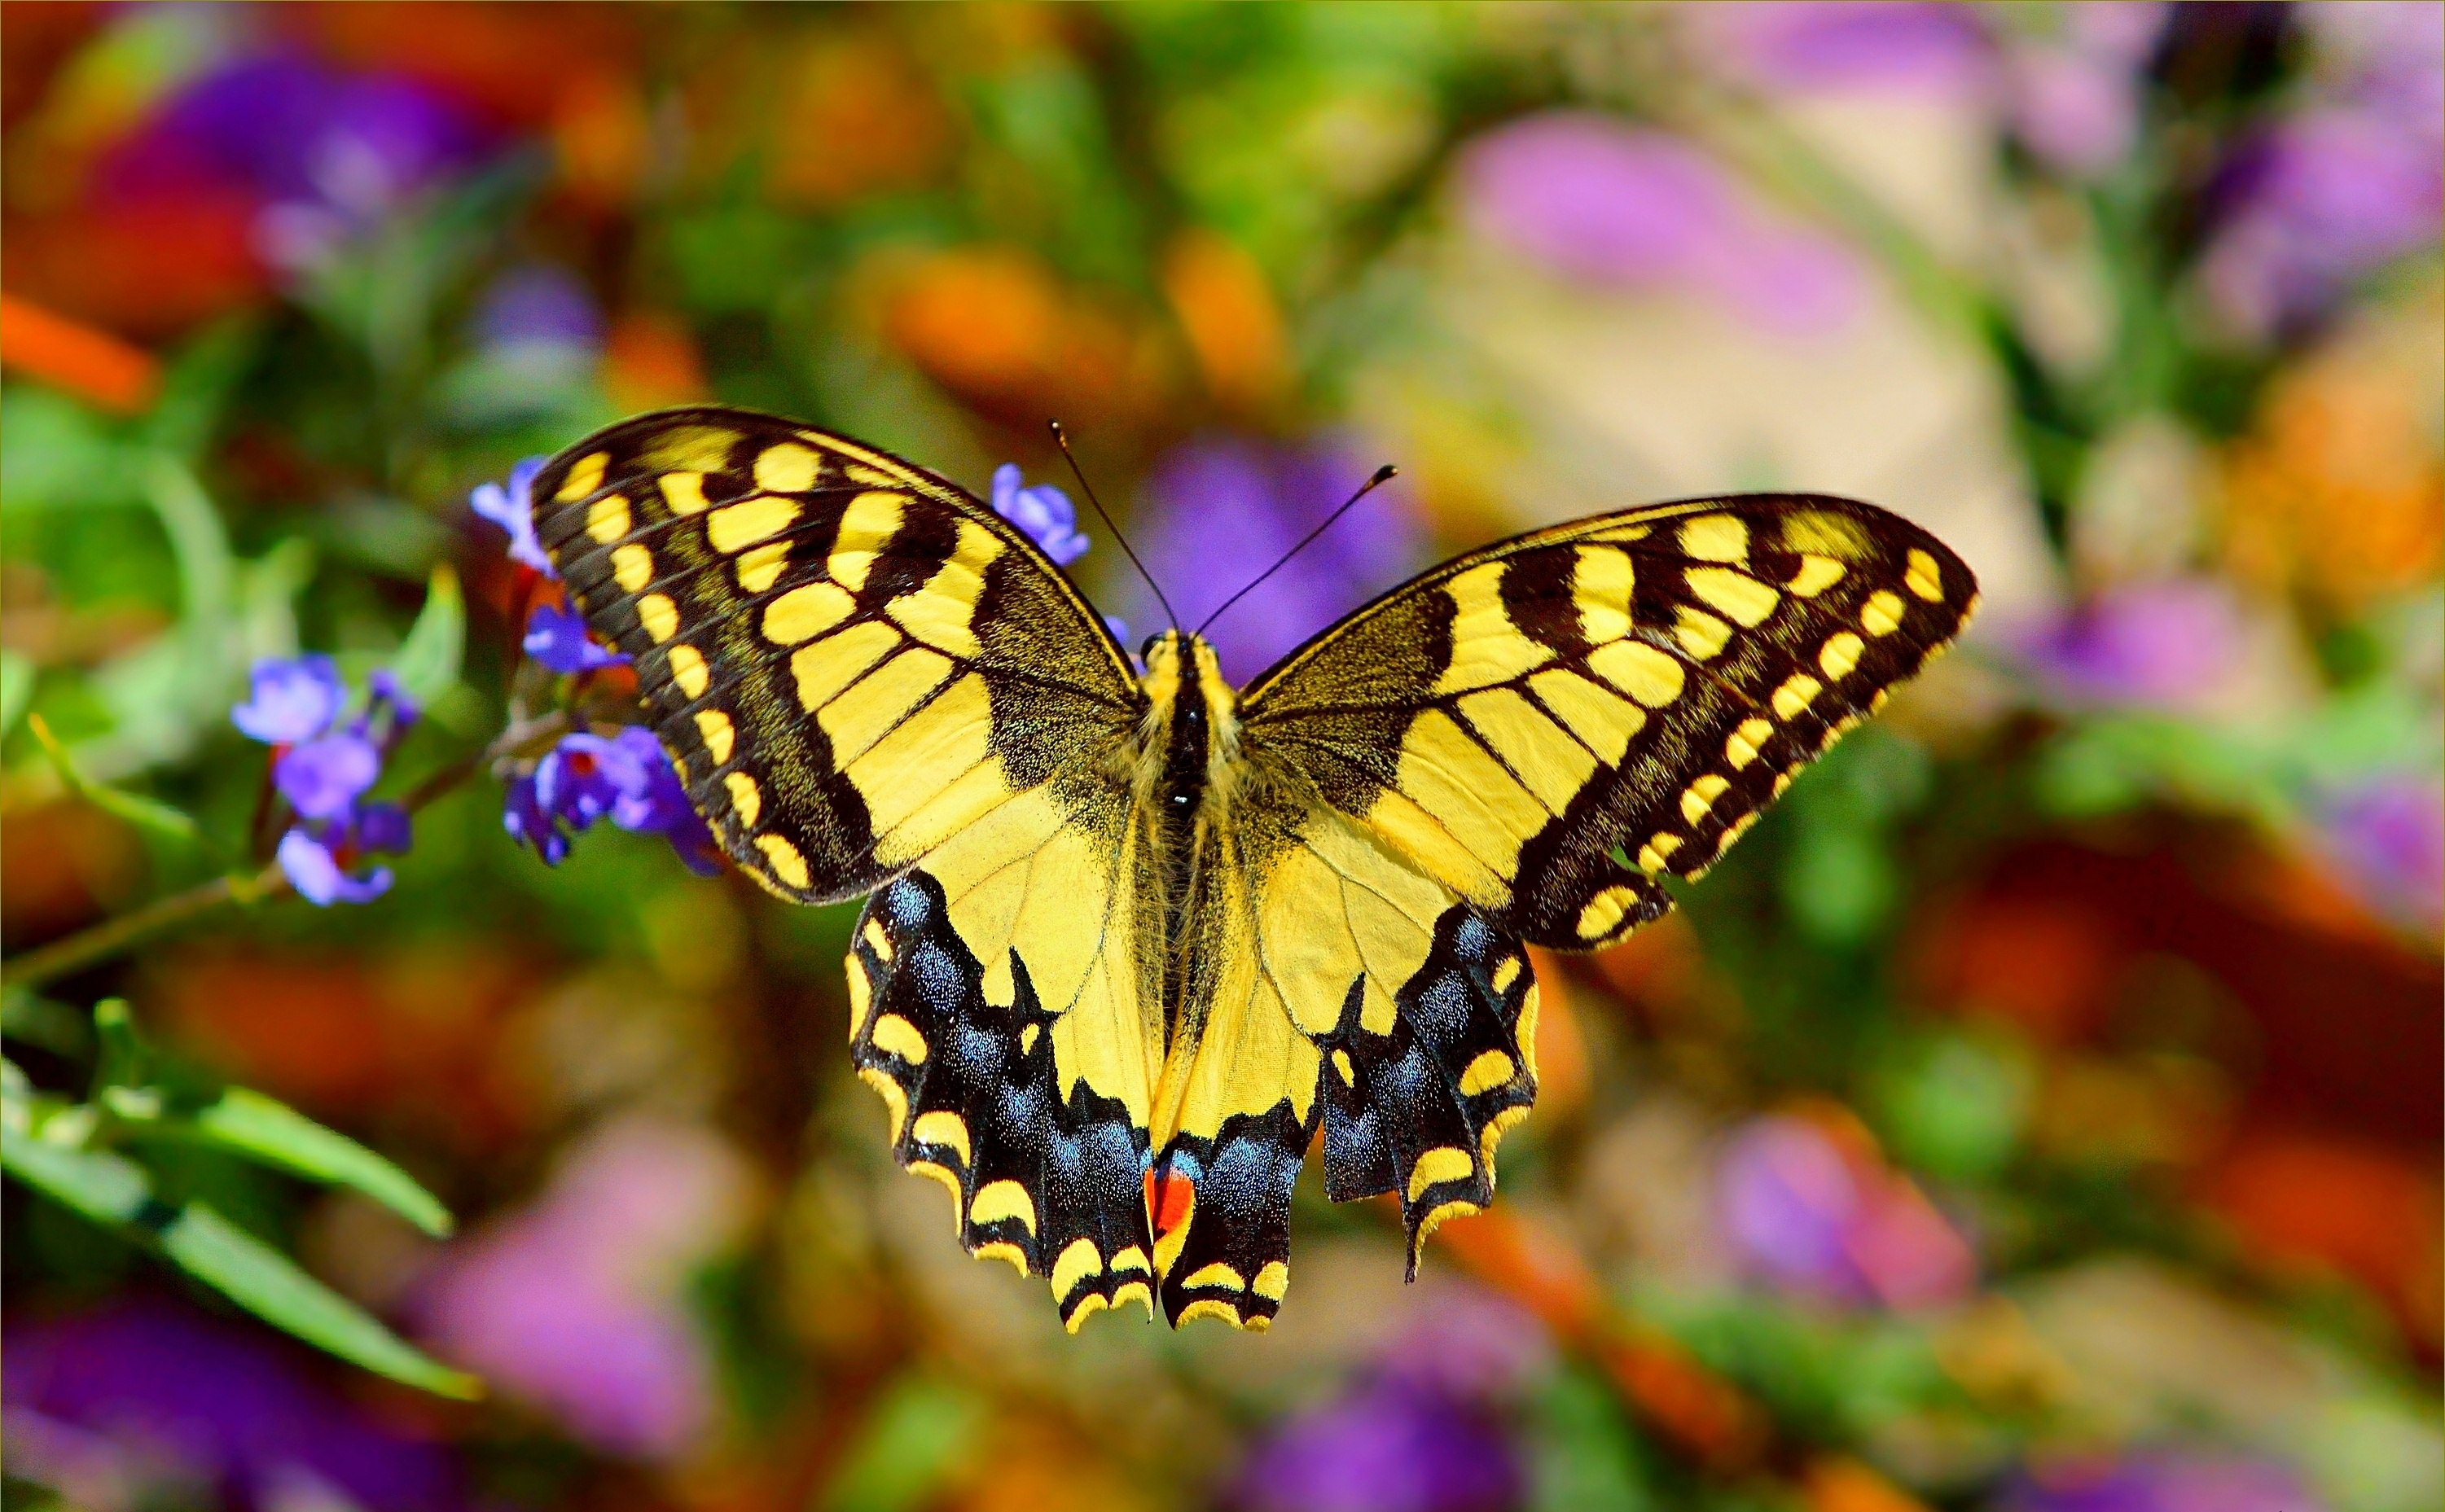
1840	655
1000	1200
746	799
889	1090
1746	743
784	859
659	615
1921	576
684	492
1218	1274
582	478
1437	1165
1273	1280
1816	574
896	1036
1882	614
1798	691
1715	538
633	566
787	467
712	726
948	1130
607	518
1078	1261
1486	1071
688	670
1700	796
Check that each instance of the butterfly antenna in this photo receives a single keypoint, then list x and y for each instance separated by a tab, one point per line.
1383	476
1061	438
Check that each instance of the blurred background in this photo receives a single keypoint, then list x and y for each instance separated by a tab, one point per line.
2041	1112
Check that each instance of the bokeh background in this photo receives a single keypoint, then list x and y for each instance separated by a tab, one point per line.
2038	1112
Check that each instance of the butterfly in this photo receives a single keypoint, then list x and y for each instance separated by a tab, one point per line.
1134	936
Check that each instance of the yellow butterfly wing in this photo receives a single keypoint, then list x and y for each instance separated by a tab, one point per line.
869	681
1509	750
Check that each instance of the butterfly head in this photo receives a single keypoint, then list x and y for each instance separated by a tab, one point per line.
1180	661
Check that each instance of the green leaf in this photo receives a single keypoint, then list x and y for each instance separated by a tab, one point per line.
917	1437
40	1020
247	1123
146	813
115	1192
427	663
16	687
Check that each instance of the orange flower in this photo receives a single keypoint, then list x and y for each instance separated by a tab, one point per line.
90	364
2340	489
994	326
650	360
1845	1485
1227	311
855	119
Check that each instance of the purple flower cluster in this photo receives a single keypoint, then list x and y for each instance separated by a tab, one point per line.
2347	183
323	769
1422	1431
145	1402
327	154
625	778
2170	645
2076	97
1810	1217
2389	837
2162	1480
510	506
1042	511
1229	507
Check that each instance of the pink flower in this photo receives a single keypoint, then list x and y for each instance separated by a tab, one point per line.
1594	199
577	1304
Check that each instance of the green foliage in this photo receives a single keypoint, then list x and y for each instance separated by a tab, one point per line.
83	1156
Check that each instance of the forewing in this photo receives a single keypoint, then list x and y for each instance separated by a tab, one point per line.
866	678
1548	725
848	657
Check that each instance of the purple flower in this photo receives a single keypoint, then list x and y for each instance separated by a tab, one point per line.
314	869
1223	509
1593	198
559	639
524	817
1469	1346
146	1398
327	153
2161	1481
1819	46
1386	1448
323	779
290	699
2350	182
2076	98
511	508
1043	511
627	778
323	772
1788	1201
578	1303
2389	836
2168	644
538	305
1805	1216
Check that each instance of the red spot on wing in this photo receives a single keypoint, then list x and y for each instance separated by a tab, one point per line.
1169	1197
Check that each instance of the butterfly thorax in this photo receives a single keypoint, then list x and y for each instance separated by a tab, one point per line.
1186	741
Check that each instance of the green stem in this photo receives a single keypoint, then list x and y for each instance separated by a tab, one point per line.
88	947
